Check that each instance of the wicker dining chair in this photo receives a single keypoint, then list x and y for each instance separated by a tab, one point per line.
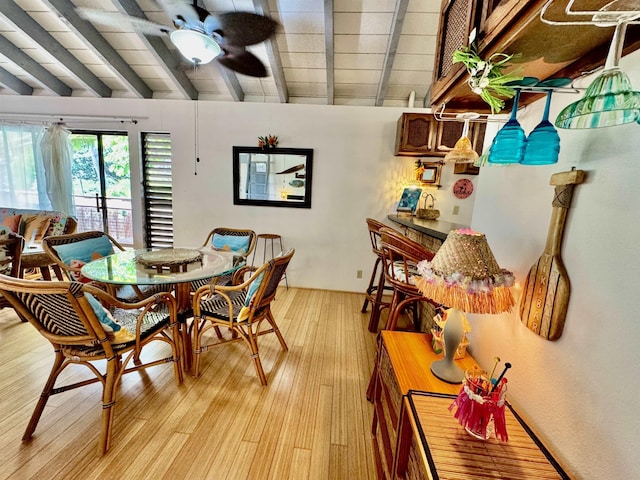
400	257
11	247
86	325
242	308
240	241
377	283
71	252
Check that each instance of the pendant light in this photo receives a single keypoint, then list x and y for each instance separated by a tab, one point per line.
610	100
463	151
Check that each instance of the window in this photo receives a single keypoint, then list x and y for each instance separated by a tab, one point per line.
102	183
158	197
22	178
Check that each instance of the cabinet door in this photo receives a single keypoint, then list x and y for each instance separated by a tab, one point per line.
457	20
450	132
416	134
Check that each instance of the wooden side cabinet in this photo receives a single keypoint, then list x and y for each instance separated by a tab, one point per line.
404	360
431	444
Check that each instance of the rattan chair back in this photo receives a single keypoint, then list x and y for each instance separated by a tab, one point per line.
400	256
50	243
234	232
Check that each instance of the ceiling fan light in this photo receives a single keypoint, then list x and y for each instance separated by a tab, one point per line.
195	46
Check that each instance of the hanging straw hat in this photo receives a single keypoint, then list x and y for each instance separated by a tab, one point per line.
465	275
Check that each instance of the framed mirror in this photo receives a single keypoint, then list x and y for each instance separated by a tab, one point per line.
273	177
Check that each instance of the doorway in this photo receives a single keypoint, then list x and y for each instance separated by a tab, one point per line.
102	183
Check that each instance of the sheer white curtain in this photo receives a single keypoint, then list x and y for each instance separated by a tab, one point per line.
57	155
22	178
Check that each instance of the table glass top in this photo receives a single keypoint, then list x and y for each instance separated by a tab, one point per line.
123	269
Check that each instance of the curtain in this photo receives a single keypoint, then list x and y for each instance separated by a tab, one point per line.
56	155
22	179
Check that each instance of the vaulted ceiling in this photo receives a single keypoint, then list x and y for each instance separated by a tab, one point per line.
336	52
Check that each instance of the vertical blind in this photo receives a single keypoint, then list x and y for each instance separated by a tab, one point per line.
158	196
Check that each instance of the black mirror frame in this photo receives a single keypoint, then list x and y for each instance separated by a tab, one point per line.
306	203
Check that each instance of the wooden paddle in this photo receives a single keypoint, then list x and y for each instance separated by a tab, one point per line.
545	297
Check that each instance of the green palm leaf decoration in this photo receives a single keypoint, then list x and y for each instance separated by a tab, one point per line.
486	77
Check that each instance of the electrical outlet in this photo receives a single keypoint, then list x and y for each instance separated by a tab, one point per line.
456	209
359	274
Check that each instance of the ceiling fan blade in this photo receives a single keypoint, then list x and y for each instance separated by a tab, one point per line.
114	19
241	28
242	61
180	8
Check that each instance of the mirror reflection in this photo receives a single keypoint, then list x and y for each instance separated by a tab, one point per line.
279	177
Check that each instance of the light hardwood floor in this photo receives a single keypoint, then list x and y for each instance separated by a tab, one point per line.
312	420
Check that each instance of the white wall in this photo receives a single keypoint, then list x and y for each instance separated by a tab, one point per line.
581	391
355	174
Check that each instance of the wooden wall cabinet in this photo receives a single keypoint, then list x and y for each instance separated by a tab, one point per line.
421	134
514	27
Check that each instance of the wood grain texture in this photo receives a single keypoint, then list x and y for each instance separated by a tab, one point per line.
311	421
546	292
439	443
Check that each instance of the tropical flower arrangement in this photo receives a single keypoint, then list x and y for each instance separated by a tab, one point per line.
268	141
486	77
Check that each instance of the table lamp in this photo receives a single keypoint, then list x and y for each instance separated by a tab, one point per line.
464	276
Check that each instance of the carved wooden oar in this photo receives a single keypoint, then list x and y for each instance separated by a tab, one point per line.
545	297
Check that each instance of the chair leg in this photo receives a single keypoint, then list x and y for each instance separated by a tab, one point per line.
175	350
276	330
252	340
195	363
108	403
377	306
44	396
371	286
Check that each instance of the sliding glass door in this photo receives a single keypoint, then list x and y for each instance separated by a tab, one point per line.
102	183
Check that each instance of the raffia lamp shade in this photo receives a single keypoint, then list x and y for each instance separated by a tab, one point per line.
462	152
465	275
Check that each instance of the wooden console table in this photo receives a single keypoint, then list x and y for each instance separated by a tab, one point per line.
404	361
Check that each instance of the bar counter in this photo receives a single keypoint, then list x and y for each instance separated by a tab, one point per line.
434	228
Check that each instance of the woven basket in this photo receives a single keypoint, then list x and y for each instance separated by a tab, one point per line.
427	213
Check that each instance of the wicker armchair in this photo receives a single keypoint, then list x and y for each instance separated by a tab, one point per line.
241	242
241	308
377	284
104	244
78	320
400	257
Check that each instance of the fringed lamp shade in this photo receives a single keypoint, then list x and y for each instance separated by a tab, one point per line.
465	275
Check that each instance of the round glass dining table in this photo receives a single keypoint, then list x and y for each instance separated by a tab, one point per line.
133	267
177	267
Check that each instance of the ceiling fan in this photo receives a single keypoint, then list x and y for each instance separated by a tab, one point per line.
199	35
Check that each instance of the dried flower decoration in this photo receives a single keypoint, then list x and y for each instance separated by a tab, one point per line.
486	77
268	141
